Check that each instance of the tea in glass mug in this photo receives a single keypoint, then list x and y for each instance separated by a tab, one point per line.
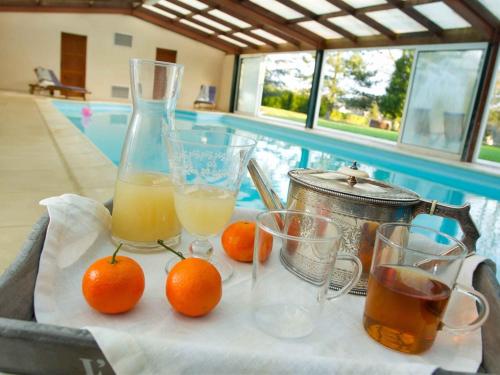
412	278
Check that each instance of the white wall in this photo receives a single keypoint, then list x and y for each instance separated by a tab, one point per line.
28	40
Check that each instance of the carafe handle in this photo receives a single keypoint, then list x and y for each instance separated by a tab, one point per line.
459	213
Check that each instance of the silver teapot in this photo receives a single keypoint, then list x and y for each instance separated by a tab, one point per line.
358	204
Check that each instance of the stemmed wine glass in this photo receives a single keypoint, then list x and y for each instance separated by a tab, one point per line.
207	167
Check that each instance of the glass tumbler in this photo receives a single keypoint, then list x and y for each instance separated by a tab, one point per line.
412	278
143	206
287	301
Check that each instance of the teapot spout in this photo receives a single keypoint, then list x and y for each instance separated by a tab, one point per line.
266	192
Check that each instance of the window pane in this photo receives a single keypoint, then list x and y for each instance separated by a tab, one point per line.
231	40
490	149
493	6
440	102
396	20
249	38
319	29
318	6
196	26
353	25
363	92
228	18
364	3
268	36
287	86
442	15
194	3
159	11
210	22
250	85
174	7
278	8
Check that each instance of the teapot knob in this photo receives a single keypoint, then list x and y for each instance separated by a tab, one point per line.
351	180
354	171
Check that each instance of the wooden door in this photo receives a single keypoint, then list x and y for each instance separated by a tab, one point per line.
73	60
165	55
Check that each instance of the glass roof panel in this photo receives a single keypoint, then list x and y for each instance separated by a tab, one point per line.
231	40
319	29
278	8
249	38
196	26
353	25
364	3
228	18
209	22
174	7
493	6
195	4
158	11
442	15
318	6
269	36
396	20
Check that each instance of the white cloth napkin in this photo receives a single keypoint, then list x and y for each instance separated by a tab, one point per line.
153	339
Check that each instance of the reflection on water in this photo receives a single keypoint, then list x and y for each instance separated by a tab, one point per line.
106	128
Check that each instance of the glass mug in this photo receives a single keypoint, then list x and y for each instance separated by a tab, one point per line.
412	277
286	301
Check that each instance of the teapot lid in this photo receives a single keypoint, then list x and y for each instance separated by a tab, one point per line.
353	186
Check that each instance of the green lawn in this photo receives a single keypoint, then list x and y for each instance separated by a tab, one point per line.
351	128
491	153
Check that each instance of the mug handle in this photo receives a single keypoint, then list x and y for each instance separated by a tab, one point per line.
483	311
358	269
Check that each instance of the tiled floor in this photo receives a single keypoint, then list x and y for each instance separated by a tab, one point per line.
41	155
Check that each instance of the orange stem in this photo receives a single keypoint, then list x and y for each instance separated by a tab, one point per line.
113	259
161	243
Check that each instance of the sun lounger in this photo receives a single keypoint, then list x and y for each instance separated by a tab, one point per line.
48	81
206	96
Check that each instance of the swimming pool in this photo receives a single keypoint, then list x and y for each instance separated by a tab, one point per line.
279	150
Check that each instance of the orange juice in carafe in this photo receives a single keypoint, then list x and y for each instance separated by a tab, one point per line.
144	211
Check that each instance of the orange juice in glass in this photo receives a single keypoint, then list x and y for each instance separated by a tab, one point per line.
204	210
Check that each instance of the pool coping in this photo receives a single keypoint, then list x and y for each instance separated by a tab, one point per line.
92	172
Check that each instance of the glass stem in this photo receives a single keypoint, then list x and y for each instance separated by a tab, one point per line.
201	248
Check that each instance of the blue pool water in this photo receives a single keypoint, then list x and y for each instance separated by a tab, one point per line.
279	150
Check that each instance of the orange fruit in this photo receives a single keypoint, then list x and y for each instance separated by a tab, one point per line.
265	246
193	287
114	284
238	240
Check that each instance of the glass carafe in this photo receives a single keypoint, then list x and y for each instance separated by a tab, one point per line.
143	206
